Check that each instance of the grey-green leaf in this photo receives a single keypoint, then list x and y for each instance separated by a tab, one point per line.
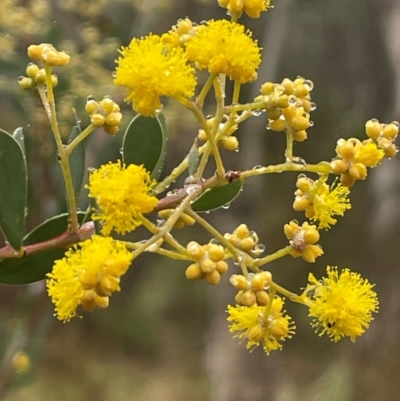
77	162
13	189
217	197
145	142
34	267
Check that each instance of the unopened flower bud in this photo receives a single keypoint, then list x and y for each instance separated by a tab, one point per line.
213	277
221	267
216	252
247	244
238	281
373	128
193	272
97	120
110	130
248	298
207	266
262	298
196	250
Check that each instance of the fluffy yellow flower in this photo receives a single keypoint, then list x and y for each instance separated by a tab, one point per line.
149	69
250	323
122	194
341	305
87	275
320	201
223	47
369	154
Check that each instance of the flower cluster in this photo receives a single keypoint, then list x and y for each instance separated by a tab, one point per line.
35	77
252	289
88	274
341	305
183	220
321	201
123	196
210	263
353	158
384	135
289	105
303	239
228	141
261	325
245	240
47	53
223	47
104	114
252	8
149	68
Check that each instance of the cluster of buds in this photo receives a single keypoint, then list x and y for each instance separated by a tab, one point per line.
98	288
180	33
104	114
210	263
252	289
184	219
47	53
353	158
288	106
303	240
245	240
384	135
250	7
227	141
35	77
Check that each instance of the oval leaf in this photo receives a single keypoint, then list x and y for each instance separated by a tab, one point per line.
33	268
145	142
217	197
13	189
77	162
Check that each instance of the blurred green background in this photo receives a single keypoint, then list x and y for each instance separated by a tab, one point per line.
164	338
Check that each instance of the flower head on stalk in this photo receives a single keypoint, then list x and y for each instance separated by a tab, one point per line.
87	275
123	196
341	304
250	324
149	68
223	47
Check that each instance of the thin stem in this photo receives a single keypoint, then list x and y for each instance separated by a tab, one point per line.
289	144
176	172
289	295
320	168
238	256
160	251
167	227
276	255
206	88
64	162
168	237
84	134
267	310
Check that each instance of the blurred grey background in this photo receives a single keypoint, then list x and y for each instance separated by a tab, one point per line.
164	338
